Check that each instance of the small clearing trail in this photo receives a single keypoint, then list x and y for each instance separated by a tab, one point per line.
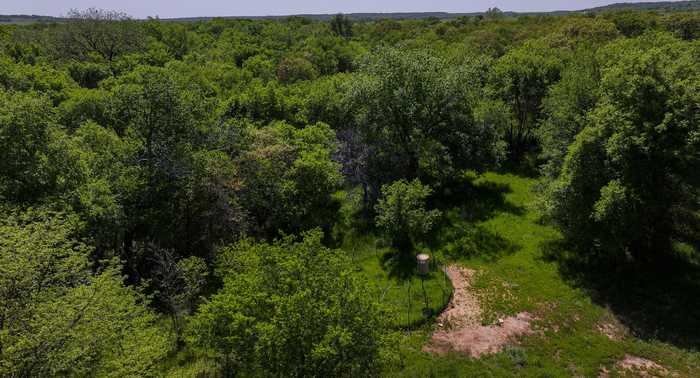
459	328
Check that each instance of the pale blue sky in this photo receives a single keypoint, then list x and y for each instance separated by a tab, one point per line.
191	8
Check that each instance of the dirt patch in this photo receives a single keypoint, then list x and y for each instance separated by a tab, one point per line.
459	329
642	367
637	367
612	331
463	309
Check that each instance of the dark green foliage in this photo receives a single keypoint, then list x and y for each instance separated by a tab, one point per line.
97	33
295	68
632	24
288	177
341	25
565	110
84	105
684	26
628	185
521	78
88	75
414	112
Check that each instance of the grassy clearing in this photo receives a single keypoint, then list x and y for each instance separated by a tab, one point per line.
496	231
399	286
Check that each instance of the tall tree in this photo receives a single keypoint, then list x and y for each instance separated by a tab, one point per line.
629	184
565	109
104	33
341	25
415	114
521	78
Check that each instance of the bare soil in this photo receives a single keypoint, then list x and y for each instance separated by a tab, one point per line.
612	330
459	329
642	366
637	367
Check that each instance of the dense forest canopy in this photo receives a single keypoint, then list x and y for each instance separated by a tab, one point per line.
178	197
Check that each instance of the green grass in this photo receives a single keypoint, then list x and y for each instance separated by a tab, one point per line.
490	225
398	285
495	230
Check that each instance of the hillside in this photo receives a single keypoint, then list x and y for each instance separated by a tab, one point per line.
660	6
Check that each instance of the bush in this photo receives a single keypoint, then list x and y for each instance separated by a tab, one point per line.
402	215
290	308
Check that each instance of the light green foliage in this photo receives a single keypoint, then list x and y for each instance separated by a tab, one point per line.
260	66
288	177
59	318
401	213
103	179
41	78
325	100
264	103
194	272
26	126
292	308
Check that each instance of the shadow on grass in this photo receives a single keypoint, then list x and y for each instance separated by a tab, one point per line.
398	265
472	201
474	241
660	302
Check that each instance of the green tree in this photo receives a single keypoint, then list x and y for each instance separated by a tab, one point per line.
97	32
341	25
402	215
58	318
521	78
288	177
88	74
414	116
27	122
291	308
629	186
684	25
632	24
565	109
295	68
42	78
104	182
